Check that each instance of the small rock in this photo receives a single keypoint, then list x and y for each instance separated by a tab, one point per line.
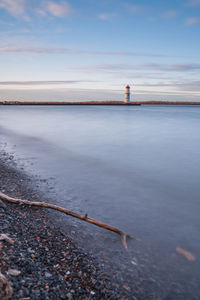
69	296
133	262
92	293
47	274
13	272
68	272
5	237
30	250
6	290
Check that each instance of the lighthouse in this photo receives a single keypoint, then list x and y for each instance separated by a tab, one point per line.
127	94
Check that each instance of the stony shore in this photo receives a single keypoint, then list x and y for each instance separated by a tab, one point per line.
46	264
43	263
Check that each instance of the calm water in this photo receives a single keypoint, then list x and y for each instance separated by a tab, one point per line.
137	168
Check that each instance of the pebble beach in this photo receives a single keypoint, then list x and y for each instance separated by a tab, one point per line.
37	259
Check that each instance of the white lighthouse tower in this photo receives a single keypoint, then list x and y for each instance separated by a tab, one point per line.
127	94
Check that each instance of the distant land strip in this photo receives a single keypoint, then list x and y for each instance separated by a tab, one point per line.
98	103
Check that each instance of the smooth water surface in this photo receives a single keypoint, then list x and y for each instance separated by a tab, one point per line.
137	168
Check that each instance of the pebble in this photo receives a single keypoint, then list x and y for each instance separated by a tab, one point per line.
48	275
69	296
68	272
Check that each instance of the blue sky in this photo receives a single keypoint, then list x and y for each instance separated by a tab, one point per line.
89	49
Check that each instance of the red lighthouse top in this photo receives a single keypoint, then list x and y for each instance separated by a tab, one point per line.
127	87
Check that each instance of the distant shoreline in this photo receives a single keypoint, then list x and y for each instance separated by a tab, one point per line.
136	103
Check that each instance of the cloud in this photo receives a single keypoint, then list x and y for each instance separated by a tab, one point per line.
17	8
192	21
181	85
107	16
172	68
185	67
41	12
14	7
137	9
189	86
145	67
41	50
170	14
56	9
47	82
38	50
6	23
193	3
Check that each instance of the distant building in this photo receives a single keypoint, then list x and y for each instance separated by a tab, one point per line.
127	94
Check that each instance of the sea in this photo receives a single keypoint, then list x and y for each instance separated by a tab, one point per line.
133	167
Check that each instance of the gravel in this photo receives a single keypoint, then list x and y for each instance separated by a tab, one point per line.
43	263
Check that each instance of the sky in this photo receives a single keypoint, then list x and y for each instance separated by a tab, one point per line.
90	49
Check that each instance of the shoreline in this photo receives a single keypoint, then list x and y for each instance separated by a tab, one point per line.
51	265
100	103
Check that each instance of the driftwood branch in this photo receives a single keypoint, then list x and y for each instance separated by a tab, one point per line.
67	212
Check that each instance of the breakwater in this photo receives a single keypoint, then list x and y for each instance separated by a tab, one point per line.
67	103
99	103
